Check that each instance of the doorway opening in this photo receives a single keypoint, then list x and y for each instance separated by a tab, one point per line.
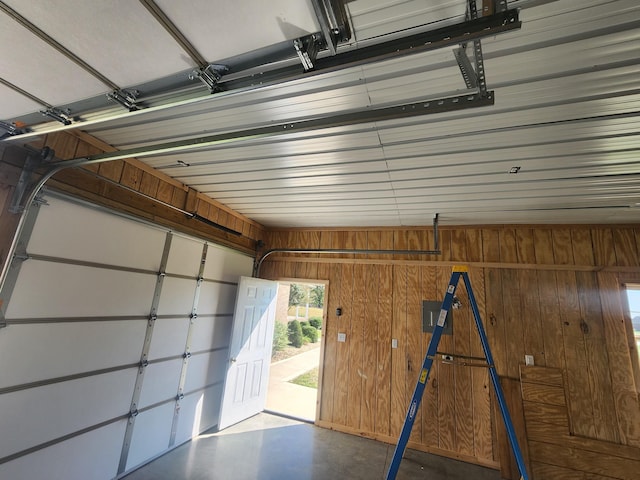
295	372
633	328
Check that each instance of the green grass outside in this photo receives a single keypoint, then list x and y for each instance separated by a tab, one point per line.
307	379
313	312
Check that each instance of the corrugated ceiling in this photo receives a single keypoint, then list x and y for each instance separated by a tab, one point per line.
567	106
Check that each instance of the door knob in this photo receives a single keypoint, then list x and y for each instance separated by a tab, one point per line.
234	359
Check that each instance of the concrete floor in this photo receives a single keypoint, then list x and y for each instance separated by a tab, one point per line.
268	447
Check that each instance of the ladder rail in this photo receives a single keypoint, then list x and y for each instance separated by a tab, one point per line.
423	379
497	388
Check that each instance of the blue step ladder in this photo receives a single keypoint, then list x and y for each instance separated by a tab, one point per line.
458	271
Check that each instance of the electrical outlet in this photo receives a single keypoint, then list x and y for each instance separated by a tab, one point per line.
342	337
447	358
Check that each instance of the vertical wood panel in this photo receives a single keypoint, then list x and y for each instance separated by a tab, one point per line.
399	355
543	246
330	345
625	245
463	387
524	242
550	316
625	395
580	395
514	334
414	342
531	319
446	381
355	339
490	245
603	248
370	349
341	387
582	246
562	248
508	246
383	373
481	399
604	414
429	405
474	245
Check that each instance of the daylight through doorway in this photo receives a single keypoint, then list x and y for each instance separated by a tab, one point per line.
297	344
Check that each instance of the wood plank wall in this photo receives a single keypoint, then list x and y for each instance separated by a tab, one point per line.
552	292
133	187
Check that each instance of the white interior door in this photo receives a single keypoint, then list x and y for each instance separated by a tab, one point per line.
245	386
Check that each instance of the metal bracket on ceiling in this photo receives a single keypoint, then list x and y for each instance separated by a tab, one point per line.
334	24
474	78
126	98
307	49
60	115
209	75
9	130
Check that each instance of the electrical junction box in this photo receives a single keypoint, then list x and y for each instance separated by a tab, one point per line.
431	313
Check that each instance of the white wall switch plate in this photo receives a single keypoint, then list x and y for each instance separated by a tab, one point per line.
394	343
528	360
342	337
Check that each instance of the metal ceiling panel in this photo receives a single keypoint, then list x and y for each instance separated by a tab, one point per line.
132	47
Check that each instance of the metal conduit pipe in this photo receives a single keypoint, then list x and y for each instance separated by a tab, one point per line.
258	263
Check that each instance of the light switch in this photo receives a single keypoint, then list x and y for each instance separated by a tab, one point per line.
528	360
342	337
394	343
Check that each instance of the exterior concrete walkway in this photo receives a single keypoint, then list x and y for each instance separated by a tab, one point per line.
288	398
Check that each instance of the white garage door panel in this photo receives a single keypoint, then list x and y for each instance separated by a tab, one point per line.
177	296
45	413
75	291
226	265
211	332
68	230
169	337
198	412
217	298
151	435
67	348
205	369
160	382
95	456
184	256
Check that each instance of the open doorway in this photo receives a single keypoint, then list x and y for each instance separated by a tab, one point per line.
295	372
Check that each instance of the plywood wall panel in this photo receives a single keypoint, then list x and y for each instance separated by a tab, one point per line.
513	318
429	405
625	394
446	380
399	401
550	316
383	372
370	348
532	301
576	363
626	248
525	245
603	246
604	414
582	246
341	386
355	335
414	341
